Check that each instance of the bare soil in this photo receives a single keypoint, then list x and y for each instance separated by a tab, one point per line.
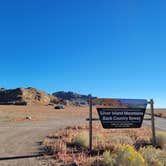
20	139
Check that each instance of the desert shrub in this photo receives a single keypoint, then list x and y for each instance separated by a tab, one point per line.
82	139
108	160
46	142
153	156
59	146
47	146
99	137
53	147
92	161
161	139
121	139
127	156
99	141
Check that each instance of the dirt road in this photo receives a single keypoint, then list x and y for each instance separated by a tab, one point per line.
160	123
20	139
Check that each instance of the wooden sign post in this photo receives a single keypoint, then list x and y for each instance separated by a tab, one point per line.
153	122
90	124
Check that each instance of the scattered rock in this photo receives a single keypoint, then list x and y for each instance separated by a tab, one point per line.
29	117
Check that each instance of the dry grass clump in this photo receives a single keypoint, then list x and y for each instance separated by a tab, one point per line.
82	139
153	156
123	155
121	139
52	147
113	147
126	155
107	159
100	143
161	139
158	112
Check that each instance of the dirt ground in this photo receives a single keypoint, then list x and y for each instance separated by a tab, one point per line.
20	138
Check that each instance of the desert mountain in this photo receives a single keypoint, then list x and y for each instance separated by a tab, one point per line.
25	96
70	95
29	96
74	98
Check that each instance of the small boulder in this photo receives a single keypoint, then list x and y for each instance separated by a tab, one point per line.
28	117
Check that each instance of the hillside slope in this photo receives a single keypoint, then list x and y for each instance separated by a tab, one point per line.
24	96
74	98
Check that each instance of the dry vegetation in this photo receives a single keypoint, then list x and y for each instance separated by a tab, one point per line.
125	147
158	112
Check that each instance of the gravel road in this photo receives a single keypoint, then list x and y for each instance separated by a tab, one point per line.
20	140
160	123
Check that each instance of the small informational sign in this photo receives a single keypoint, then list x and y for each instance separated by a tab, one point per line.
121	113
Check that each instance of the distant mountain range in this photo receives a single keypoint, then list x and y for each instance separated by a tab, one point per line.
75	98
70	96
28	96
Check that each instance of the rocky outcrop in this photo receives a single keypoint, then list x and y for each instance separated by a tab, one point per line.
69	95
25	96
29	96
72	98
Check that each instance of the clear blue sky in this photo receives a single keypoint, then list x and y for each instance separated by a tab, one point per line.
109	48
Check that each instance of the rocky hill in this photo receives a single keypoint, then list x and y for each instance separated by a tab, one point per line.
29	96
74	98
69	95
26	96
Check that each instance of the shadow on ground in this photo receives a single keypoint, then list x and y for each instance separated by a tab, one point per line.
20	157
39	154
